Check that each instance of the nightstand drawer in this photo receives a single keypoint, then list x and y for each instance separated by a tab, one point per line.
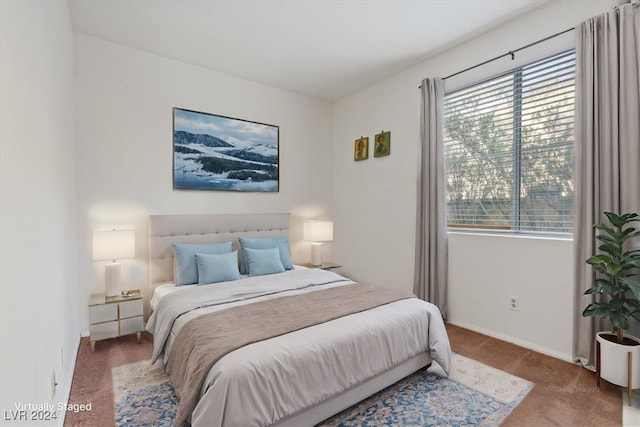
103	313
101	331
115	316
131	325
130	308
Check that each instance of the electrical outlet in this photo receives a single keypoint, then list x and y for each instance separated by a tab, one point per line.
514	303
53	384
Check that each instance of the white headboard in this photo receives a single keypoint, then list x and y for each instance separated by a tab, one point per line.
208	228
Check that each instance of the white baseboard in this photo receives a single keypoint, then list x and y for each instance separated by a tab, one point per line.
512	340
69	380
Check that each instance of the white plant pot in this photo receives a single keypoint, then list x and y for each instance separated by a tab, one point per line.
614	361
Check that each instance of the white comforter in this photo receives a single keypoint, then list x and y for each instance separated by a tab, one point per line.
265	382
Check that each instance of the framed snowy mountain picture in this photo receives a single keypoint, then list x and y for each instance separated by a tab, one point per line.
212	152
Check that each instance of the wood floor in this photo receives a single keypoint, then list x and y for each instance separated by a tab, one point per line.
564	394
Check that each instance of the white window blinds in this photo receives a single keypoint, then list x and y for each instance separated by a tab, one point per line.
509	149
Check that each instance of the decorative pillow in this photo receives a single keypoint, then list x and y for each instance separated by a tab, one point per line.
282	243
184	259
217	268
263	261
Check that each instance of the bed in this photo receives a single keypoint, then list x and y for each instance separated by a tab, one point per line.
298	377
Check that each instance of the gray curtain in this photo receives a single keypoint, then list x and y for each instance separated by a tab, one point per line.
430	279
607	145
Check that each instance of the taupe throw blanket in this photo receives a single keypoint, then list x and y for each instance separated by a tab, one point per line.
206	339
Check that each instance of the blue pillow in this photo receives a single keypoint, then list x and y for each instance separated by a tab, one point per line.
217	268
263	261
184	259
282	243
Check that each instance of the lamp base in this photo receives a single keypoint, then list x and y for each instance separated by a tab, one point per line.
316	254
112	279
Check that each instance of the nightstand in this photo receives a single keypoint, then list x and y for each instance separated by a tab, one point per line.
111	317
327	265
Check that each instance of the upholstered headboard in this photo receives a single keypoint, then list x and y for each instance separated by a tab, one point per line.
208	228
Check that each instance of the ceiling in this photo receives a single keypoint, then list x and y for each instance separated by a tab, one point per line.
324	49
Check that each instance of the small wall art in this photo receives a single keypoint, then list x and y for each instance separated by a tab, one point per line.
382	145
361	148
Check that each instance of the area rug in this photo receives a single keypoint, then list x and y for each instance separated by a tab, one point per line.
474	394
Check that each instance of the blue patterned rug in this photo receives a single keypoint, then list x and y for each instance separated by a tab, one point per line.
474	394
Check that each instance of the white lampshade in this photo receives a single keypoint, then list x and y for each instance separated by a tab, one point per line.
318	231
114	244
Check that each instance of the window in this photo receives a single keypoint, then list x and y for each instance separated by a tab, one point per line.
509	149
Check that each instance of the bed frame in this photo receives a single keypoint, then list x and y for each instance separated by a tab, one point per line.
167	229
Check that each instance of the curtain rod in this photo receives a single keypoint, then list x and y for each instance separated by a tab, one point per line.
510	53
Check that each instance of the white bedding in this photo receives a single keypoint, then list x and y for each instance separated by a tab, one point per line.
168	287
165	289
264	383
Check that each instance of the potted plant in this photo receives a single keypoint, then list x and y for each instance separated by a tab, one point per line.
617	266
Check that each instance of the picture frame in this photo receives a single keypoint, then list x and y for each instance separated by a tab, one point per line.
220	153
382	144
361	148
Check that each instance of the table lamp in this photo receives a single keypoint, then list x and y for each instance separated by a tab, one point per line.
317	232
113	245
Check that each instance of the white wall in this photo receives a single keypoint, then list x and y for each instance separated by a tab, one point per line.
124	99
39	292
485	271
374	200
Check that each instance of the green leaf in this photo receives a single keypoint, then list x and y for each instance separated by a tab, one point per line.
616	304
632	254
629	233
605	238
618	321
625	238
614	219
603	310
628	265
633	302
602	286
604	258
610	231
630	217
609	289
614	268
600	259
621	220
633	285
610	248
633	262
595	309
